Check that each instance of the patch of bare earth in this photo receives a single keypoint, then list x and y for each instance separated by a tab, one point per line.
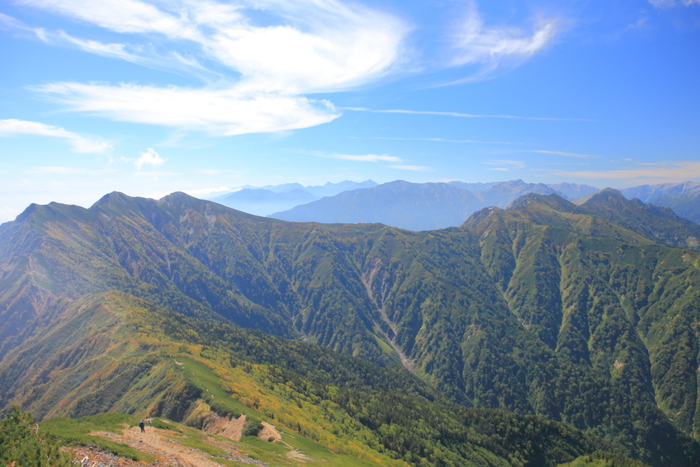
269	433
298	456
231	428
166	451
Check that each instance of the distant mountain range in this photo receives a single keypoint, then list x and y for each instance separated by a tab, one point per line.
420	206
428	206
683	198
378	343
269	199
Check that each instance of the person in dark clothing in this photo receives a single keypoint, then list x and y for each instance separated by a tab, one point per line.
142	426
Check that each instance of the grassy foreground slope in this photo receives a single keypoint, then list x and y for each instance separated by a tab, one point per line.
115	352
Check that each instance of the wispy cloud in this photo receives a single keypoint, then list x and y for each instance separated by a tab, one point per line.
138	54
149	157
272	53
9	23
457	114
367	158
567	154
506	164
493	48
112	50
413	168
679	170
672	3
81	144
442	140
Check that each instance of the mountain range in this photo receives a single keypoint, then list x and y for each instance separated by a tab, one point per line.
574	323
273	198
430	206
683	198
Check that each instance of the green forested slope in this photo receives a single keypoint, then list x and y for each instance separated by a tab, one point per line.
543	308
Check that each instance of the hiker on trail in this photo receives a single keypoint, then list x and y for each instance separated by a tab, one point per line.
142	425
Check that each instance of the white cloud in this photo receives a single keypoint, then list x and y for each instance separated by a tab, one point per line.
223	112
81	144
367	158
149	157
272	53
495	47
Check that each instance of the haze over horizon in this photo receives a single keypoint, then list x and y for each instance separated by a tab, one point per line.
152	97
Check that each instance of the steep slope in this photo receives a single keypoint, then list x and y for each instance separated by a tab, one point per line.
598	302
543	308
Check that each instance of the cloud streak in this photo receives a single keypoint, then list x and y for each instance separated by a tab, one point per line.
673	3
81	144
567	154
442	140
506	163
413	168
458	114
367	158
680	170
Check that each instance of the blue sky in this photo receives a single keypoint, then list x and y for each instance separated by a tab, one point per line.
148	97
